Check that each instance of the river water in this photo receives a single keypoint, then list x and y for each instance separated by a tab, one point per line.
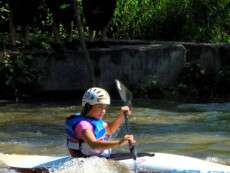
198	130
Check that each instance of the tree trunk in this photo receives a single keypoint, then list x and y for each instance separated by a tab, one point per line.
83	45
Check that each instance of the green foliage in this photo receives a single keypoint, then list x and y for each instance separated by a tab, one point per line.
17	75
191	80
223	83
170	20
41	40
4	13
196	83
151	88
193	83
177	20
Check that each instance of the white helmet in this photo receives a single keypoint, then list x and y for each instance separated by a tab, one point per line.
96	96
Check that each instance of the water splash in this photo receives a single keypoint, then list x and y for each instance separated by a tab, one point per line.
4	169
218	160
91	165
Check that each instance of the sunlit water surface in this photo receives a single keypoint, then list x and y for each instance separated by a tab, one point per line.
198	130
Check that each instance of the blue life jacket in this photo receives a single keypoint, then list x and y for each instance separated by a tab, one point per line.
98	126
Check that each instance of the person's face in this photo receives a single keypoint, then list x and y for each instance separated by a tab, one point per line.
98	111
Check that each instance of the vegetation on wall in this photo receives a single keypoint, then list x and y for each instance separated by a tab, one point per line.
163	20
17	75
194	83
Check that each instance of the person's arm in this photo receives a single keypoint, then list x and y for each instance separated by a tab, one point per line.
115	124
90	139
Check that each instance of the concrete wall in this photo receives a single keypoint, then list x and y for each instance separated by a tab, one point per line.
129	61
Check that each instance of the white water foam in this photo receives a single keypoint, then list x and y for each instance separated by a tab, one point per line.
91	165
218	160
4	169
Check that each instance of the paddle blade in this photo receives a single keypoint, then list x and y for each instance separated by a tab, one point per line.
124	93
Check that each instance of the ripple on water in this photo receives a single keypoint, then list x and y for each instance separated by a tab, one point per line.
39	129
204	107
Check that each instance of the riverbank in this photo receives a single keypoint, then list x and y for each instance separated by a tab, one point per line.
156	70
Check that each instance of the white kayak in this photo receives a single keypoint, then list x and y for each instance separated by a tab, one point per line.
147	162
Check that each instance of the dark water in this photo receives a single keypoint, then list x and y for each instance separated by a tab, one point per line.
199	130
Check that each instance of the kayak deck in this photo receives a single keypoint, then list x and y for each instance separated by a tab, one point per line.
147	162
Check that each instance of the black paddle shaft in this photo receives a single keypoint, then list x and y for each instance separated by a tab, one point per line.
127	123
131	146
126	97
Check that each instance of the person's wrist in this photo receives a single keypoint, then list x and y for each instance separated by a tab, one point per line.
119	142
122	114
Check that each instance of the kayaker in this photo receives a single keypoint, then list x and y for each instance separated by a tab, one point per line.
87	133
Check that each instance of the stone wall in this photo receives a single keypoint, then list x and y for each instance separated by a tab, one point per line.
130	61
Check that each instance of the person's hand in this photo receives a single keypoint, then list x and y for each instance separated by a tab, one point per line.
126	139
125	109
